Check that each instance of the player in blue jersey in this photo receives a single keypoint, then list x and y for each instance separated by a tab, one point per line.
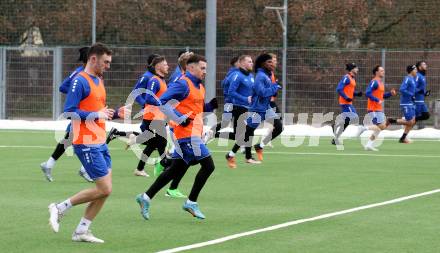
407	96
422	112
61	147
240	95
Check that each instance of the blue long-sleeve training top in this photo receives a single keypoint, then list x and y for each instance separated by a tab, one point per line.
241	87
263	90
226	83
175	75
407	91
372	86
67	82
420	88
153	85
142	84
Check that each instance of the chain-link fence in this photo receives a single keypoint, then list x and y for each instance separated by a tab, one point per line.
312	76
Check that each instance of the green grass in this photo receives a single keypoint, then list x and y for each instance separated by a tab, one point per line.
286	187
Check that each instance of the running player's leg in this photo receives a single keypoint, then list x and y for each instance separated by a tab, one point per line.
61	147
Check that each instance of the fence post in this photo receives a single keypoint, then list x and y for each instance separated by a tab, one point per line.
2	83
57	79
211	48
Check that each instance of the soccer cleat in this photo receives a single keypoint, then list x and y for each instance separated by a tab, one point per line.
131	141
371	148
259	151
83	173
158	168
86	237
405	141
54	217
175	194
140	173
194	210
111	135
145	206
253	161
46	171
231	161
333	142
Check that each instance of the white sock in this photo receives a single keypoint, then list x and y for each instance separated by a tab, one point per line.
83	226
83	170
64	206
370	143
51	162
231	154
146	197
190	202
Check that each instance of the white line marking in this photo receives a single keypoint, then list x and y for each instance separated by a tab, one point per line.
367	153
296	222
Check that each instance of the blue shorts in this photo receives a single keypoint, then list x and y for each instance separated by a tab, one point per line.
95	159
376	118
421	108
348	108
256	118
408	111
191	150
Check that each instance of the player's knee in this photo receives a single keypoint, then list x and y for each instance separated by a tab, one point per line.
105	191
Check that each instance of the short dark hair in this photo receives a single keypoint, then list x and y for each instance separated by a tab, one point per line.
157	60
151	58
83	54
419	63
195	58
234	60
98	49
376	68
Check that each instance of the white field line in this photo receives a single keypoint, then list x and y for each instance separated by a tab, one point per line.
367	153
296	222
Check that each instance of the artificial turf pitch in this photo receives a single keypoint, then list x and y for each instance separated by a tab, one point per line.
292	183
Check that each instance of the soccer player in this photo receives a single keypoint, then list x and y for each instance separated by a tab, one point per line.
266	138
153	126
61	147
422	112
407	93
346	90
228	108
180	69
376	95
86	106
265	88
140	99
240	94
190	149
259	110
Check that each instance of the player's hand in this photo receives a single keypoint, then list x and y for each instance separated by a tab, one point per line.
358	94
393	92
124	110
348	99
106	113
427	93
250	100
